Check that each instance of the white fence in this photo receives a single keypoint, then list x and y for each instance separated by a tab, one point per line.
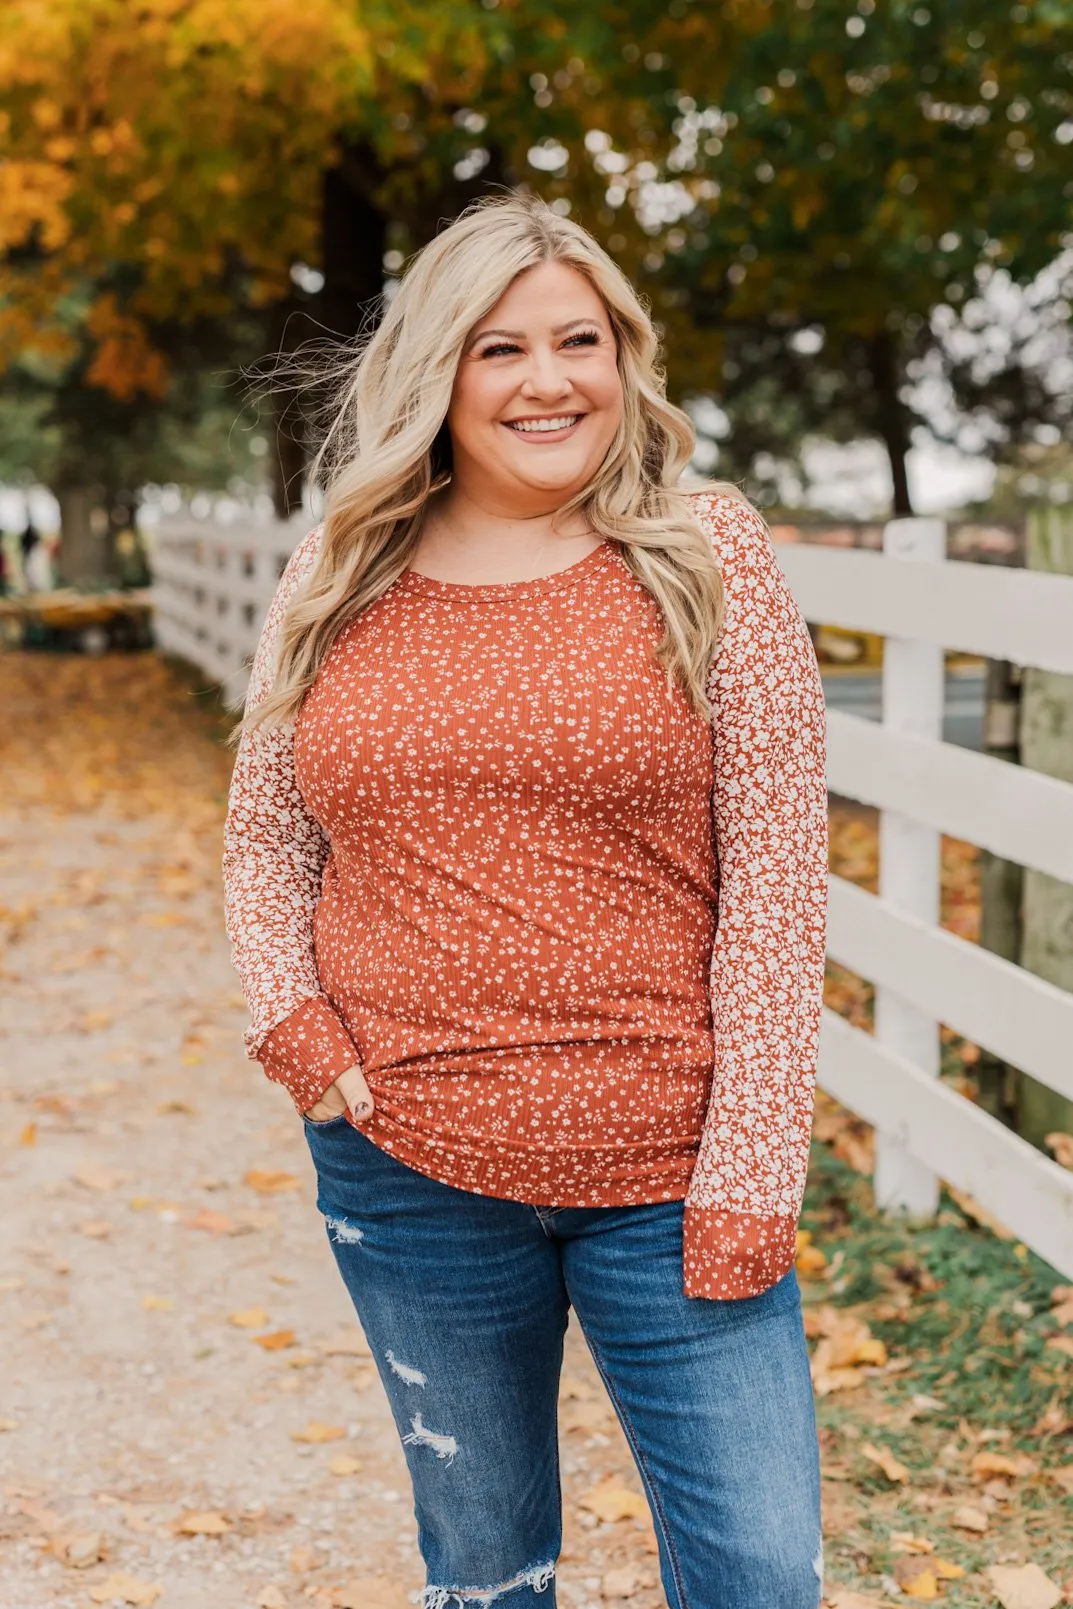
213	587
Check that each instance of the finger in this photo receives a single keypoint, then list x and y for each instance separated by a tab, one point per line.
356	1092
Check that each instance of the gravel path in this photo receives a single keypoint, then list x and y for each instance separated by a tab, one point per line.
174	1324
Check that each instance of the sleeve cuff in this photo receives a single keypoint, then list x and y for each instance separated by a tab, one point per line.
307	1051
727	1255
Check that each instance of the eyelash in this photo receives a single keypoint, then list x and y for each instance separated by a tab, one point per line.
586	337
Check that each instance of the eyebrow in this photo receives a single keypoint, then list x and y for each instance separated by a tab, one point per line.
519	335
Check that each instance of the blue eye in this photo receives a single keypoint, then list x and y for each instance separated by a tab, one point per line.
584	338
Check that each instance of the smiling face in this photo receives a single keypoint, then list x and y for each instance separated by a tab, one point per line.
537	397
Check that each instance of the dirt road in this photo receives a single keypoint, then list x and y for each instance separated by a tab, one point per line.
189	1415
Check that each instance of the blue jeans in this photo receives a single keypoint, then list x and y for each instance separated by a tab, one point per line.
464	1302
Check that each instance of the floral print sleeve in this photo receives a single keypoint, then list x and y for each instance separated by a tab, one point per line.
274	857
770	816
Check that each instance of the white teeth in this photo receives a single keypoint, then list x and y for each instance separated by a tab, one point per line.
544	424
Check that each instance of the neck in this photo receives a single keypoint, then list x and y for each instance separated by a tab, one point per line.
463	536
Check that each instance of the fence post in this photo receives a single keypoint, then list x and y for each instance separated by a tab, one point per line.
909	865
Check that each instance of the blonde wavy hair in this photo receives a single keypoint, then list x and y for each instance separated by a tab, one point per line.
387	449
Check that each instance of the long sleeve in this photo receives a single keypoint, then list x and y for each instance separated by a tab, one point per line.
770	819
274	857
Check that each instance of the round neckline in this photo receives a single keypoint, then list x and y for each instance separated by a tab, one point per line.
536	586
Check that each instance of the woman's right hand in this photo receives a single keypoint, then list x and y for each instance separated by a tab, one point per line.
349	1092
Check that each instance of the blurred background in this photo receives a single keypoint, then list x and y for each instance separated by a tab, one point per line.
853	224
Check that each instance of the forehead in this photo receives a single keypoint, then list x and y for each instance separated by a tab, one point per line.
549	294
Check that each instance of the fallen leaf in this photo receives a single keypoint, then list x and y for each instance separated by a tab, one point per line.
892	1468
80	1549
843	1598
8	1424
343	1464
911	1543
126	1589
622	1582
945	1570
28	1134
986	1464
1061	1343
613	1501
97	1178
969	1518
207	1522
270	1598
366	1592
1023	1586
315	1431
248	1318
270	1181
217	1223
158	1304
276	1340
350	1344
182	1107
1063	1474
95	1228
916	1576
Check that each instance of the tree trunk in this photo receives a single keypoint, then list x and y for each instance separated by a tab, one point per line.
83	560
1047	746
891	418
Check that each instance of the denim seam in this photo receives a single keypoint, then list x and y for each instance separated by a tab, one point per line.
642	1465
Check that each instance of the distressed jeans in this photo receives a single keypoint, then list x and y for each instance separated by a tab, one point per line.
464	1301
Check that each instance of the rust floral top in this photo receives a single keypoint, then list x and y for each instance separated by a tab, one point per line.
572	932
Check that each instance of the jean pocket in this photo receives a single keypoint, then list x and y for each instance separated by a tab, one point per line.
326	1123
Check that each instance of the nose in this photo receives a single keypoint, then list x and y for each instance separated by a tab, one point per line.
546	378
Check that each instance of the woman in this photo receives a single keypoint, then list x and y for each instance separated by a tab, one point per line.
526	881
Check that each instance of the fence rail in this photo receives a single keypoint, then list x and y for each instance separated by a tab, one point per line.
213	587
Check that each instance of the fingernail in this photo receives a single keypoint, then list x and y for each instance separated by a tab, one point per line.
362	1109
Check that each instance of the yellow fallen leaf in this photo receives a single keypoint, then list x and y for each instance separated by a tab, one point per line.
613	1501
158	1304
270	1181
28	1134
986	1464
969	1518
248	1318
1023	1586
911	1543
892	1467
126	1589
8	1424
276	1340
207	1522
945	1570
315	1431
343	1464
916	1577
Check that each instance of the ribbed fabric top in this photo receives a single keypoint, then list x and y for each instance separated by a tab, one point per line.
481	865
518	911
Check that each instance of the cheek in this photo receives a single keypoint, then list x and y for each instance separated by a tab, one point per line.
477	400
